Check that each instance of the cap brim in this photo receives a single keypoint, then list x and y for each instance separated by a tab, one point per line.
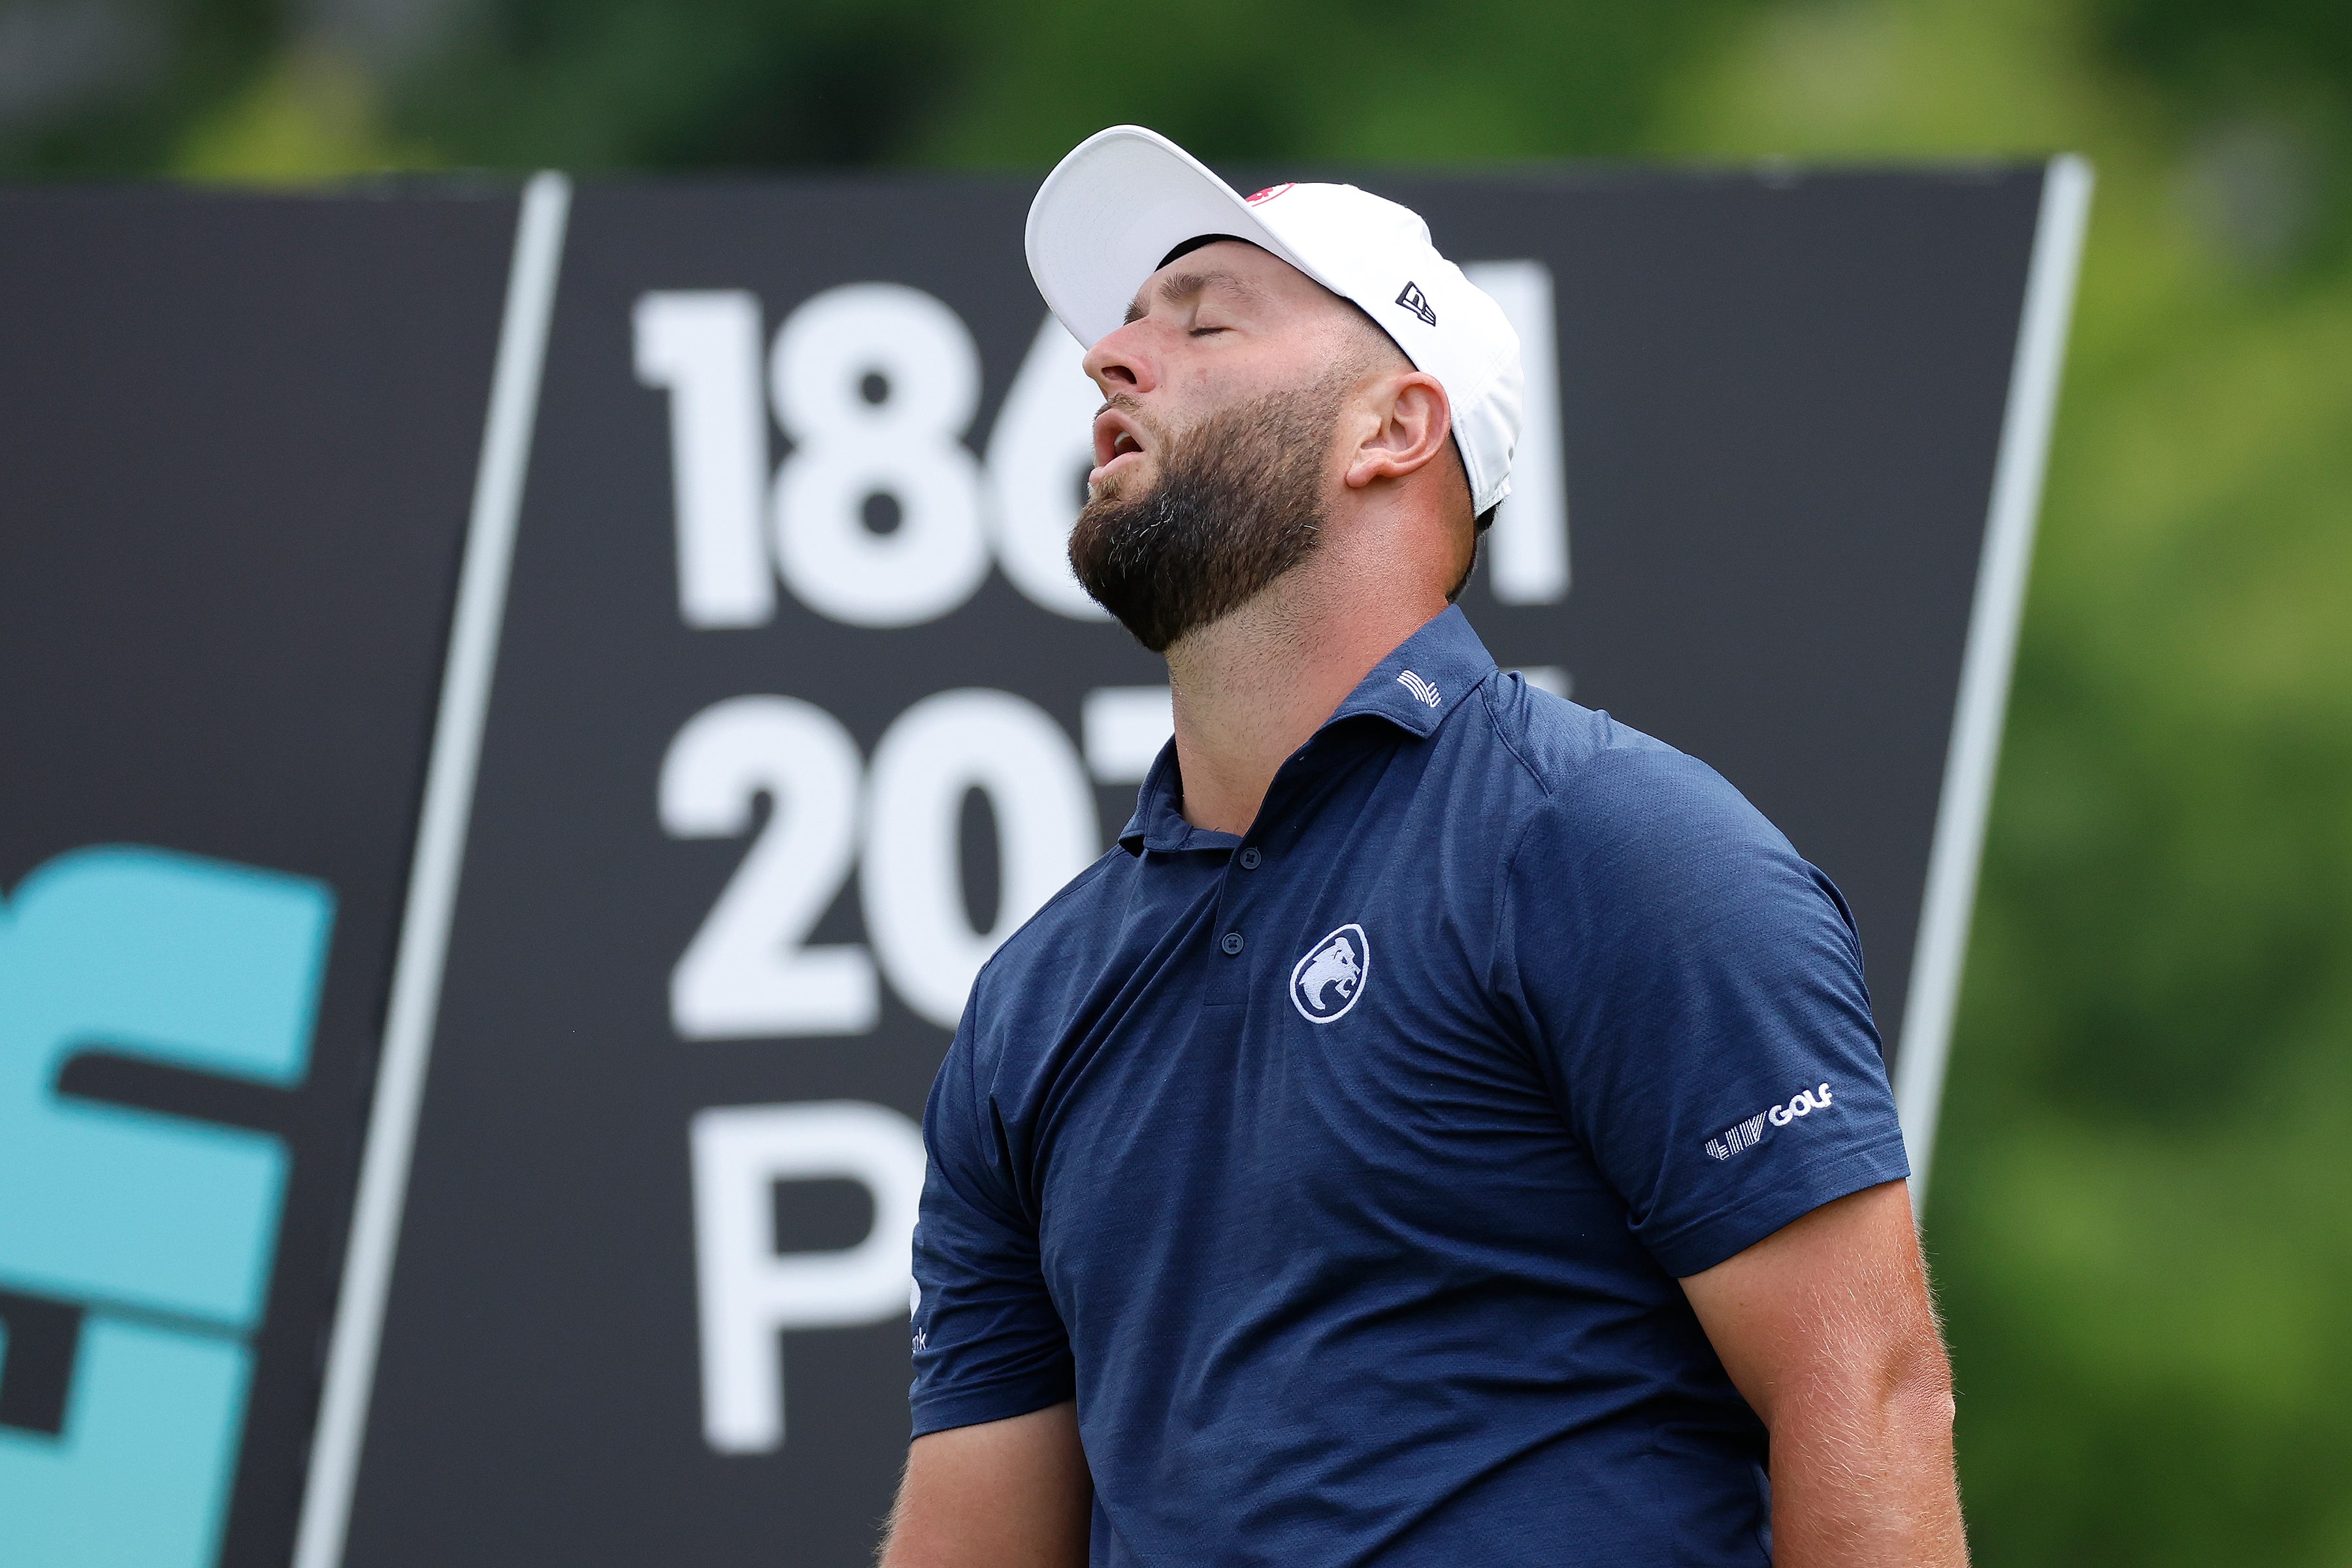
1112	210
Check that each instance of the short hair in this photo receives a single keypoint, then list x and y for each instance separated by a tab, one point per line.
1198	241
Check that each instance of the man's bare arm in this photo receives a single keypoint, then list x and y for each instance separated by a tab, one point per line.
1828	1329
1003	1494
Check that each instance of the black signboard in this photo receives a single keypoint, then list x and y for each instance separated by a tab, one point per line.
524	719
239	442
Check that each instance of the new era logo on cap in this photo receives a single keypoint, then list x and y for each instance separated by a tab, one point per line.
1413	299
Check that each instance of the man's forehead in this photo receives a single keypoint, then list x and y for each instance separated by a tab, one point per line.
1228	266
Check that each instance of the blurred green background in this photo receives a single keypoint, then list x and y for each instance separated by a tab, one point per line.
2142	1214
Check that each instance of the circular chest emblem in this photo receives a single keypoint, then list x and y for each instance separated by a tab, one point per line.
1327	982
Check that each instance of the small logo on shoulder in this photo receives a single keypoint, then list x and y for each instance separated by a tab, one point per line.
1750	1133
1421	689
1330	980
1413	299
1268	194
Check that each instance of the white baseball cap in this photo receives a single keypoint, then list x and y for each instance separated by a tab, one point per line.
1111	211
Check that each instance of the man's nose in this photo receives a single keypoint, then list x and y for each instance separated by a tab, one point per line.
1121	363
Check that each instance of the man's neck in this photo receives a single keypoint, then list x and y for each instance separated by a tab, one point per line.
1251	688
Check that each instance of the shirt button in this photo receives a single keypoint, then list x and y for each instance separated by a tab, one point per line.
1232	943
1250	858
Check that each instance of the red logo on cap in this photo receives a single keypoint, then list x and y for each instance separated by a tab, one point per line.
1271	192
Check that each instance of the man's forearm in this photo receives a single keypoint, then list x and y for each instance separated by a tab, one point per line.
1827	1328
1862	1475
1003	1494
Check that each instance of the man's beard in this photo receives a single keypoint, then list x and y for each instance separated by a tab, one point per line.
1239	502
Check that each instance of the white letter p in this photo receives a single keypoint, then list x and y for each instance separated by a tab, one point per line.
751	1292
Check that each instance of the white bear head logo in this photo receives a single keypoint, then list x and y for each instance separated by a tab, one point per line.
1328	981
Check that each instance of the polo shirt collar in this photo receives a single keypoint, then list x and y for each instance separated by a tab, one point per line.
1414	688
1423	677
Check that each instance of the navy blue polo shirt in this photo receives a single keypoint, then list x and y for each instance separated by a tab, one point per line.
1344	1171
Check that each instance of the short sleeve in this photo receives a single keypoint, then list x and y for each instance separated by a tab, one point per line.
1694	992
989	1343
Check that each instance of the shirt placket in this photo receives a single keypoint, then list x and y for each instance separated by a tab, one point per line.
1248	900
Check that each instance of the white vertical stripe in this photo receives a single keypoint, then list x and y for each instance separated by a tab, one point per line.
433	876
1985	667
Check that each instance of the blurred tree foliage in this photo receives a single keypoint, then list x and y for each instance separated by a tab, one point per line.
2143	1215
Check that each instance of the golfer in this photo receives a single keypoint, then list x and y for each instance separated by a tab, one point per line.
1449	1128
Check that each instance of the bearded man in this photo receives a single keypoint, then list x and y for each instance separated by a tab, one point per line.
1449	1128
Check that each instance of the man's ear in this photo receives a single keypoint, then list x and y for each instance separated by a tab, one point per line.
1410	426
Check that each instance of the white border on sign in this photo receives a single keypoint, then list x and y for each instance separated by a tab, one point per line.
433	876
1958	849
